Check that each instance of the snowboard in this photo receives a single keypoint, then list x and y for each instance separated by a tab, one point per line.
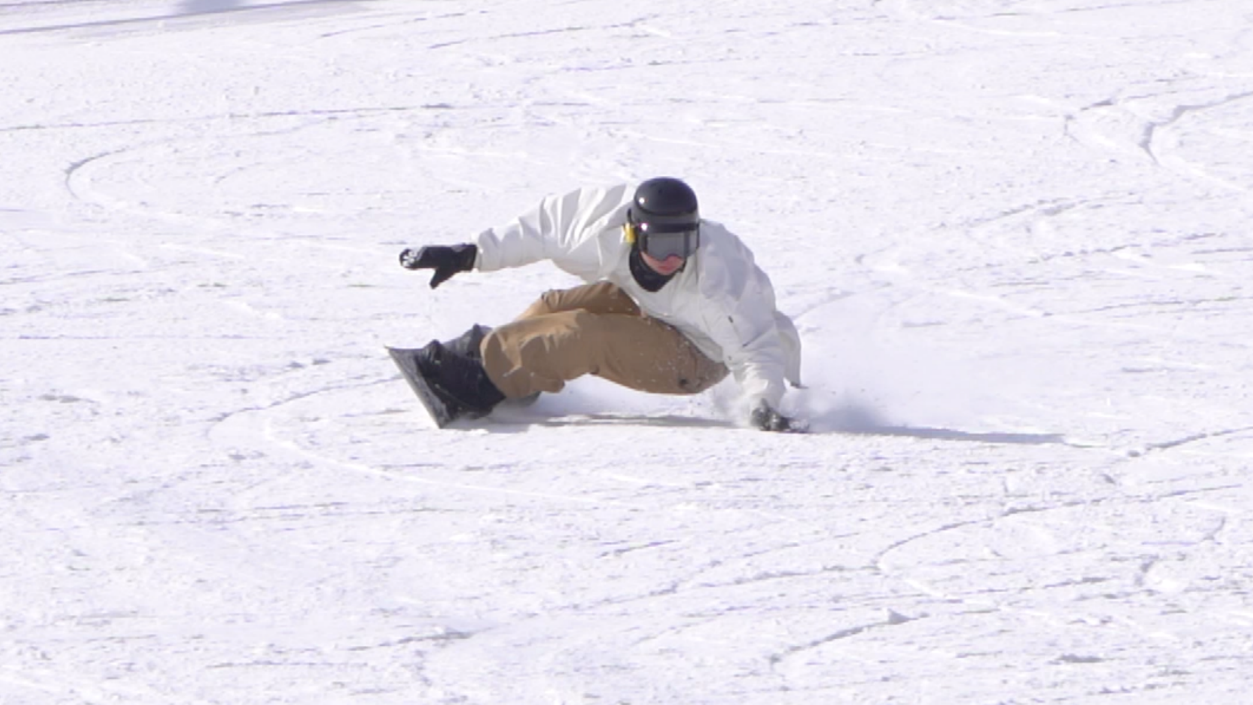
404	359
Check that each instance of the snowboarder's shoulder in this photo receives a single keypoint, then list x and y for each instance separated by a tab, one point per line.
718	239
723	258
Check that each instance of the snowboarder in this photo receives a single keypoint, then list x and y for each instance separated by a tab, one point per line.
673	304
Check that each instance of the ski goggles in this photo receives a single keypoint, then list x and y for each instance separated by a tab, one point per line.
662	237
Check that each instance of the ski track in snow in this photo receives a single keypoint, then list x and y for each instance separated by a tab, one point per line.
1013	235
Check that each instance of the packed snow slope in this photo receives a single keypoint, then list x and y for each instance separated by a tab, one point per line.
1014	235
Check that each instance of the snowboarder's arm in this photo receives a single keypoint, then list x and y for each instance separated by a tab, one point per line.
765	413
757	343
562	229
554	230
756	359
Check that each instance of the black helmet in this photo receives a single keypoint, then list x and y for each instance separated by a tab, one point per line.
664	207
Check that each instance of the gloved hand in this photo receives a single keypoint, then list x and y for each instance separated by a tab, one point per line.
445	260
767	419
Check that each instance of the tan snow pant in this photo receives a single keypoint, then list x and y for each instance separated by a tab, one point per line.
594	329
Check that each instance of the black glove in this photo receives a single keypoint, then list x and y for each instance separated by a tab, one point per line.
445	260
768	419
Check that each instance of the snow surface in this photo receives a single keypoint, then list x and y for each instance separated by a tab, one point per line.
1014	235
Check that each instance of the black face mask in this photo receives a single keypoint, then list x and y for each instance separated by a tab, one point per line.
647	277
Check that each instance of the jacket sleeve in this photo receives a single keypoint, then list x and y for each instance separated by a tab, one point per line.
753	345
561	228
742	318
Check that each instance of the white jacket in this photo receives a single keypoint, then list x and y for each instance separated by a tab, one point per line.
721	300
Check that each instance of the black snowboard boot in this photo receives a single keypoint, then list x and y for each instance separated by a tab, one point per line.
467	344
458	380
